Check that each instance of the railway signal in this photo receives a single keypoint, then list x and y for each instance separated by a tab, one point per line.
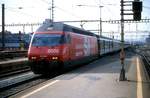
137	9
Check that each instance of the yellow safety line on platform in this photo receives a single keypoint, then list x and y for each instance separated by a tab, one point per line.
139	80
37	90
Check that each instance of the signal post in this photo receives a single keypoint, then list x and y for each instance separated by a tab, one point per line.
136	12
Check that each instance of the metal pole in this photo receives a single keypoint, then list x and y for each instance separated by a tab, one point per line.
31	28
23	28
122	53
52	10
100	25
50	13
3	26
100	21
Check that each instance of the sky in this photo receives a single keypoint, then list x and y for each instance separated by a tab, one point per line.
34	11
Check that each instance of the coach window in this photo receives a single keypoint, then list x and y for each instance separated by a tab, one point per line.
112	44
63	39
68	38
109	44
104	45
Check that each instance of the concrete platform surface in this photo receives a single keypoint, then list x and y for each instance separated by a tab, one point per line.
99	79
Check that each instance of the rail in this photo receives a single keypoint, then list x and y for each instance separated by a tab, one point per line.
12	54
147	64
145	53
13	65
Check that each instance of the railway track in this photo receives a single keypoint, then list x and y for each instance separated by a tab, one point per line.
14	72
13	85
145	53
13	66
12	54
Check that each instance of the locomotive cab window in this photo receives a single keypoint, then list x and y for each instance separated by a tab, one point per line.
48	39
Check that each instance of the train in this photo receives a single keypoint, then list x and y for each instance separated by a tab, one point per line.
56	45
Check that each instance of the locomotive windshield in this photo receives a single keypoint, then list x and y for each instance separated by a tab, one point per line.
47	39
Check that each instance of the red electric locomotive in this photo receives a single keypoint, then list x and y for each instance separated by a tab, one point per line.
57	45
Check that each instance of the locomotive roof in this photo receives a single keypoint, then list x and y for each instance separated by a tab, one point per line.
47	26
59	26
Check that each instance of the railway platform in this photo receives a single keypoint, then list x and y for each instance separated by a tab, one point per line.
99	79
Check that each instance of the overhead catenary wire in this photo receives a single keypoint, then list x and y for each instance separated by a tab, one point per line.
146	7
45	1
19	12
68	12
64	10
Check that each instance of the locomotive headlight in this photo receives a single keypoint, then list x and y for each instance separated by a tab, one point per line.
33	58
54	58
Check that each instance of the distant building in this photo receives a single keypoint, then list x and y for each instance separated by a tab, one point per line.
13	40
